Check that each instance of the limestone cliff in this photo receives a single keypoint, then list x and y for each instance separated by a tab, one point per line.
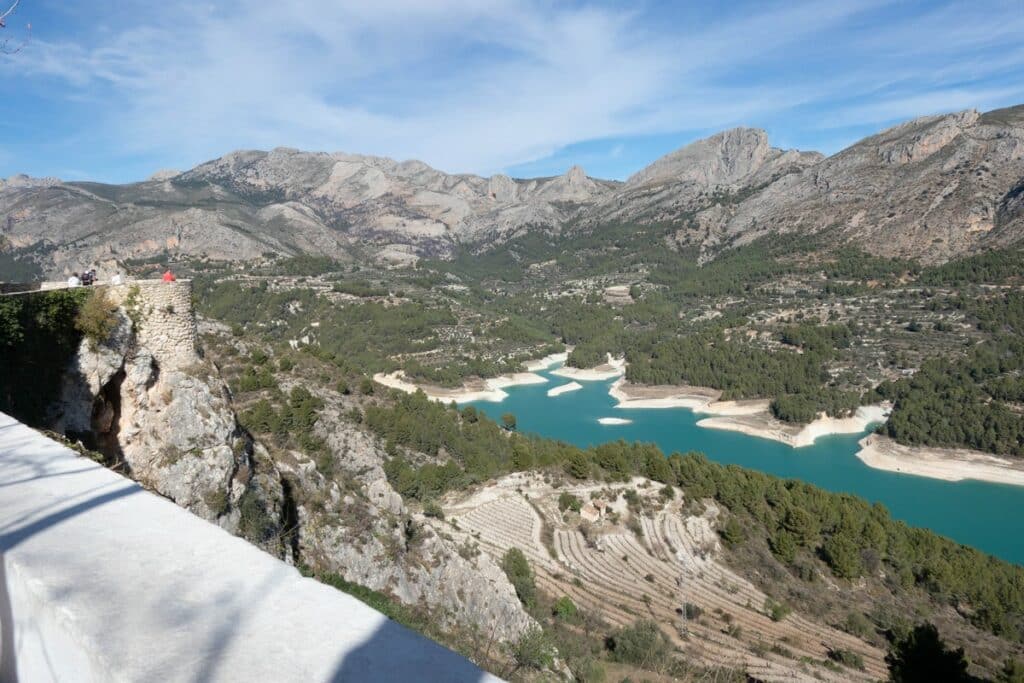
147	399
350	522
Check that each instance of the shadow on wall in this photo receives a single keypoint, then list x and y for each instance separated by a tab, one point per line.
8	669
410	661
15	534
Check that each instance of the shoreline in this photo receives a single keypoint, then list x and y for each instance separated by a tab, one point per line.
564	389
763	425
660	396
948	464
613	368
546	362
488	390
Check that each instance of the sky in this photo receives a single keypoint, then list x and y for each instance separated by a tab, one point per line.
116	91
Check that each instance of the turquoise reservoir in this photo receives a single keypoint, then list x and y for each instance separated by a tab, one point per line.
989	517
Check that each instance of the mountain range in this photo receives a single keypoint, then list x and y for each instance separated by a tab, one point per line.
930	189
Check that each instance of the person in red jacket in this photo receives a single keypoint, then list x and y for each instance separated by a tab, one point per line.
169	276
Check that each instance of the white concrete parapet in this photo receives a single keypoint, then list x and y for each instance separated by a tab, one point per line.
103	581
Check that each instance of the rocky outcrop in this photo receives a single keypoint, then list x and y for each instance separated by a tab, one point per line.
150	402
352	523
699	185
930	188
721	159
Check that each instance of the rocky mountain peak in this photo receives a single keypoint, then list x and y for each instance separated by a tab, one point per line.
922	137
502	188
576	175
721	159
164	174
22	180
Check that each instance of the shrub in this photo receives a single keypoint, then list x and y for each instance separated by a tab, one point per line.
255	523
519	574
642	644
533	650
432	509
567	501
847	658
565	609
691	611
857	624
922	656
732	533
776	610
97	318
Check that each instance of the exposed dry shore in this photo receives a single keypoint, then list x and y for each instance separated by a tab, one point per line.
750	417
762	424
564	388
613	368
546	362
644	396
477	390
948	464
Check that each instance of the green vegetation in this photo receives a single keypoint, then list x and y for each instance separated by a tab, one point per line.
990	267
567	501
97	317
390	608
565	609
852	537
922	657
38	337
360	288
520	575
290	422
963	403
305	264
642	644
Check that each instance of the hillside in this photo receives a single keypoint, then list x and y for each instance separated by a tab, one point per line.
930	189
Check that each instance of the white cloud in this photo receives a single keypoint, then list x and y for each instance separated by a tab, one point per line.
481	85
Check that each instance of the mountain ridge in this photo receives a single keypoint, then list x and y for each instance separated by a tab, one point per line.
931	188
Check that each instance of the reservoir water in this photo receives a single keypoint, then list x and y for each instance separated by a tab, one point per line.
989	517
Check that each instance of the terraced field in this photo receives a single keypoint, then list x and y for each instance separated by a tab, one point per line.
664	570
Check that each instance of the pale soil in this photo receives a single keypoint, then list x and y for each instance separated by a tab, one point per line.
478	390
565	388
614	421
761	424
546	362
613	368
948	464
661	396
620	576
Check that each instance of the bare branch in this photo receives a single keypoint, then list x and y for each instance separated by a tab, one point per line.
10	10
5	47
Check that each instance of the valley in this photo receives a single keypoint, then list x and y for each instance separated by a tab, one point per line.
569	426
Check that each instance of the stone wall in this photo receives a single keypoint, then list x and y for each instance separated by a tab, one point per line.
147	399
101	580
166	323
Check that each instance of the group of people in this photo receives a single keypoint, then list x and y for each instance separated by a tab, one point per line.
88	278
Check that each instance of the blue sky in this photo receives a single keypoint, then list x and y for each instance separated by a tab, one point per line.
115	91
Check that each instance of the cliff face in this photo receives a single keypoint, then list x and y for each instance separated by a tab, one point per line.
148	400
349	521
931	188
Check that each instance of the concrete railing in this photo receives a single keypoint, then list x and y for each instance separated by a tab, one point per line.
103	581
